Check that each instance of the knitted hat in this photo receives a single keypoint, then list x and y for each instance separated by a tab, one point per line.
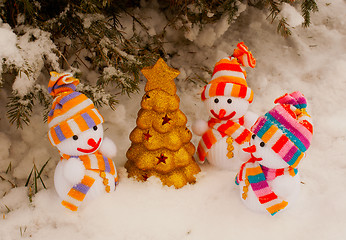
72	112
287	128
228	78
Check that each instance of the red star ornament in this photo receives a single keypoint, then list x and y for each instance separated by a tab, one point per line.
147	136
166	119
162	159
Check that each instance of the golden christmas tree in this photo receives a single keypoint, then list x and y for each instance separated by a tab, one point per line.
161	144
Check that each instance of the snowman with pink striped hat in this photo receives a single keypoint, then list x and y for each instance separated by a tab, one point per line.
227	98
85	170
269	181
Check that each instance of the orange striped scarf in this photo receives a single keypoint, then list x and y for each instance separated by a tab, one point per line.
98	165
217	131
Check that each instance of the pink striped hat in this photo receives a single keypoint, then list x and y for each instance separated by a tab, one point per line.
287	128
229	78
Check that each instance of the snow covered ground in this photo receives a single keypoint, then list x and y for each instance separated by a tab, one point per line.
312	61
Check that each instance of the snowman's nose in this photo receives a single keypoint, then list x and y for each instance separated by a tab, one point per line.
250	149
222	113
91	142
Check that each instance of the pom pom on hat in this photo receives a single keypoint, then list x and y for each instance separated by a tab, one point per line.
72	112
61	83
296	99
287	128
244	56
229	78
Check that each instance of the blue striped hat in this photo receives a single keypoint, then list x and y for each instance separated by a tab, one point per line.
72	112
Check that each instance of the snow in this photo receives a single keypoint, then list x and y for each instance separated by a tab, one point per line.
9	52
4	150
211	32
26	52
22	84
312	61
292	16
7	42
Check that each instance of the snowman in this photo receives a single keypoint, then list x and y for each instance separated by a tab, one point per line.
227	98
75	128
269	181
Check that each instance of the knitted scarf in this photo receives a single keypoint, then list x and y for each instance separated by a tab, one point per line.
98	165
217	131
257	176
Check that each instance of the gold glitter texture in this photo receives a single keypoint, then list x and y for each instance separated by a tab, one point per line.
160	76
230	147
161	144
160	101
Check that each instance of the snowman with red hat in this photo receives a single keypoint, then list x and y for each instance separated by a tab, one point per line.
85	170
269	181
227	98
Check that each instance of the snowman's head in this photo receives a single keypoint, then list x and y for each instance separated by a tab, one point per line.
283	134
227	95
264	154
86	142
226	108
75	125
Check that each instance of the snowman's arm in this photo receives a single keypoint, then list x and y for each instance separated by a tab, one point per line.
108	148
199	127
73	170
249	119
116	176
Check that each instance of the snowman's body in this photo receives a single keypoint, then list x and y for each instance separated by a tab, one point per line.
285	186
70	172
85	170
227	153
269	181
63	185
227	98
218	155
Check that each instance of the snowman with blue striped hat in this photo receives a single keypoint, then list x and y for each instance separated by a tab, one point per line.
85	170
269	181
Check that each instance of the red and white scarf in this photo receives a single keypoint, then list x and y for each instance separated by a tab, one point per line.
218	130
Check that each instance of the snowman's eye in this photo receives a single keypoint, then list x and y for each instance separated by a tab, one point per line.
229	101
216	100
95	128
75	137
262	144
253	136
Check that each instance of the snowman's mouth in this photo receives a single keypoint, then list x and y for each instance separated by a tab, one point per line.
255	159
90	150
222	116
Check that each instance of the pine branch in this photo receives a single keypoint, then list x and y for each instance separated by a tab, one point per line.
98	95
283	28
88	33
274	9
308	6
44	99
20	109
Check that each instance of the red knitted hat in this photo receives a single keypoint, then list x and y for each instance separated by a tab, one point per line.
229	78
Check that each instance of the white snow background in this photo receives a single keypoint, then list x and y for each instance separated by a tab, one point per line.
312	61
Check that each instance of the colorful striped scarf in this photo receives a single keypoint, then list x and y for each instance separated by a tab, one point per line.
217	131
257	176
96	165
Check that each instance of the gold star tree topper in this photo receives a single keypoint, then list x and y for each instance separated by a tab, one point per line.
155	74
